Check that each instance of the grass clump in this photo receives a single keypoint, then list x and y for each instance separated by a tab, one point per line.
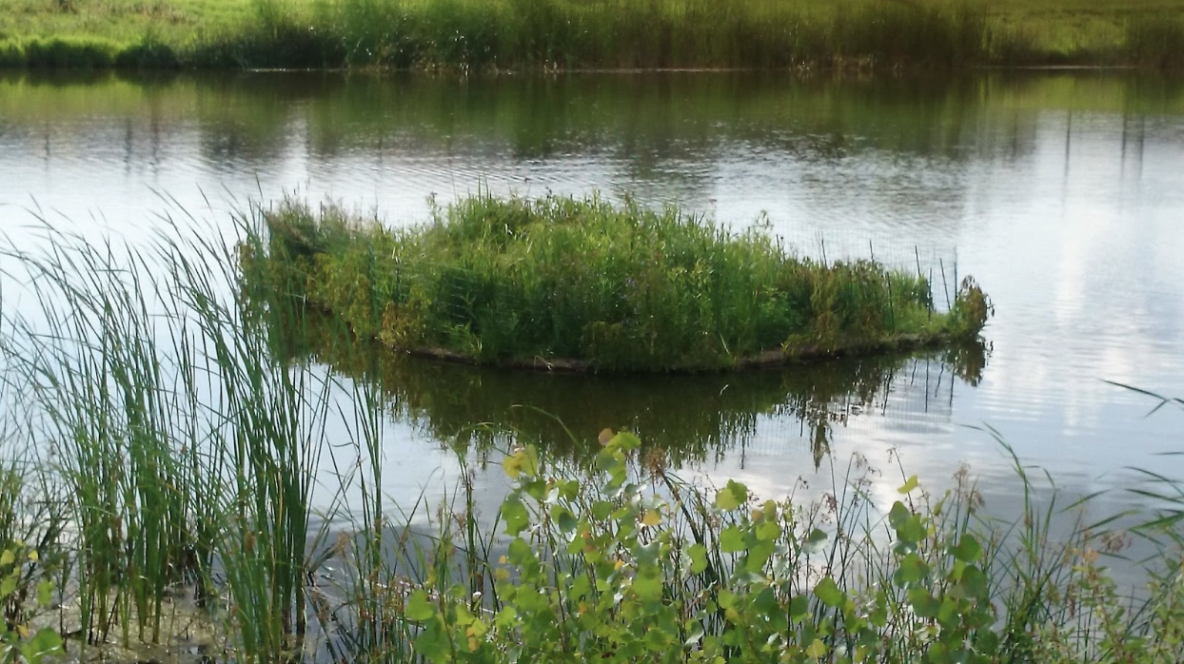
64	52
584	284
181	454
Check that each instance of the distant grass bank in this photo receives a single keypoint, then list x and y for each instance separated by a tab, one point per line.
585	285
488	35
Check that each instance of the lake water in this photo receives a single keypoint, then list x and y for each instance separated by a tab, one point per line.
1061	192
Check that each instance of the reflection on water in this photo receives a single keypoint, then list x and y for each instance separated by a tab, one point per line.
688	419
1059	191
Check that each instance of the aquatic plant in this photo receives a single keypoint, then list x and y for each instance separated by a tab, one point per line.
583	284
185	451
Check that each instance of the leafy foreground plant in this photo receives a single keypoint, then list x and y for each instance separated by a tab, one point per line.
18	641
585	285
640	567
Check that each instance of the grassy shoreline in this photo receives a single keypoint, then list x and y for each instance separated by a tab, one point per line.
584	285
516	35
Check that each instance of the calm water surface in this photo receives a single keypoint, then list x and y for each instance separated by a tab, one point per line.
1062	193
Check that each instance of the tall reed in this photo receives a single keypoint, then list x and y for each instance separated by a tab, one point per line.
188	452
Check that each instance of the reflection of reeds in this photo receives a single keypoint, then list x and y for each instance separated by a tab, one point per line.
585	285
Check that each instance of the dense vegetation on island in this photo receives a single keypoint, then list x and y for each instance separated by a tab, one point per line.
583	284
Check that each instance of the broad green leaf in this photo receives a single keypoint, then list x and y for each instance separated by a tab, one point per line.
565	519
924	604
731	496
799	606
766	604
968	549
44	593
464	616
419	607
432	643
477	629
525	461
898	515
727	599
973	584
947	614
758	555
648	584
514	514
625	441
698	554
8	586
815	541
7	558
45	642
731	540
580	587
768	531
507	618
910	570
909	485
912	530
939	653
828	592
817	649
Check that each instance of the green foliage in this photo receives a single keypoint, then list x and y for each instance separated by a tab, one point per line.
68	52
181	458
496	35
631	566
615	287
18	641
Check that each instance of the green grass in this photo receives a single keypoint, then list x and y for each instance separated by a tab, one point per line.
586	285
153	440
468	35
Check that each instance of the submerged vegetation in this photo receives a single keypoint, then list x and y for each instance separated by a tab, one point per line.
559	283
475	35
160	463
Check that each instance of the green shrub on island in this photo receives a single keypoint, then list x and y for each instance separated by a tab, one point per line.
588	285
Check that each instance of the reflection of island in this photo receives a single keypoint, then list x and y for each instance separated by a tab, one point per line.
690	418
